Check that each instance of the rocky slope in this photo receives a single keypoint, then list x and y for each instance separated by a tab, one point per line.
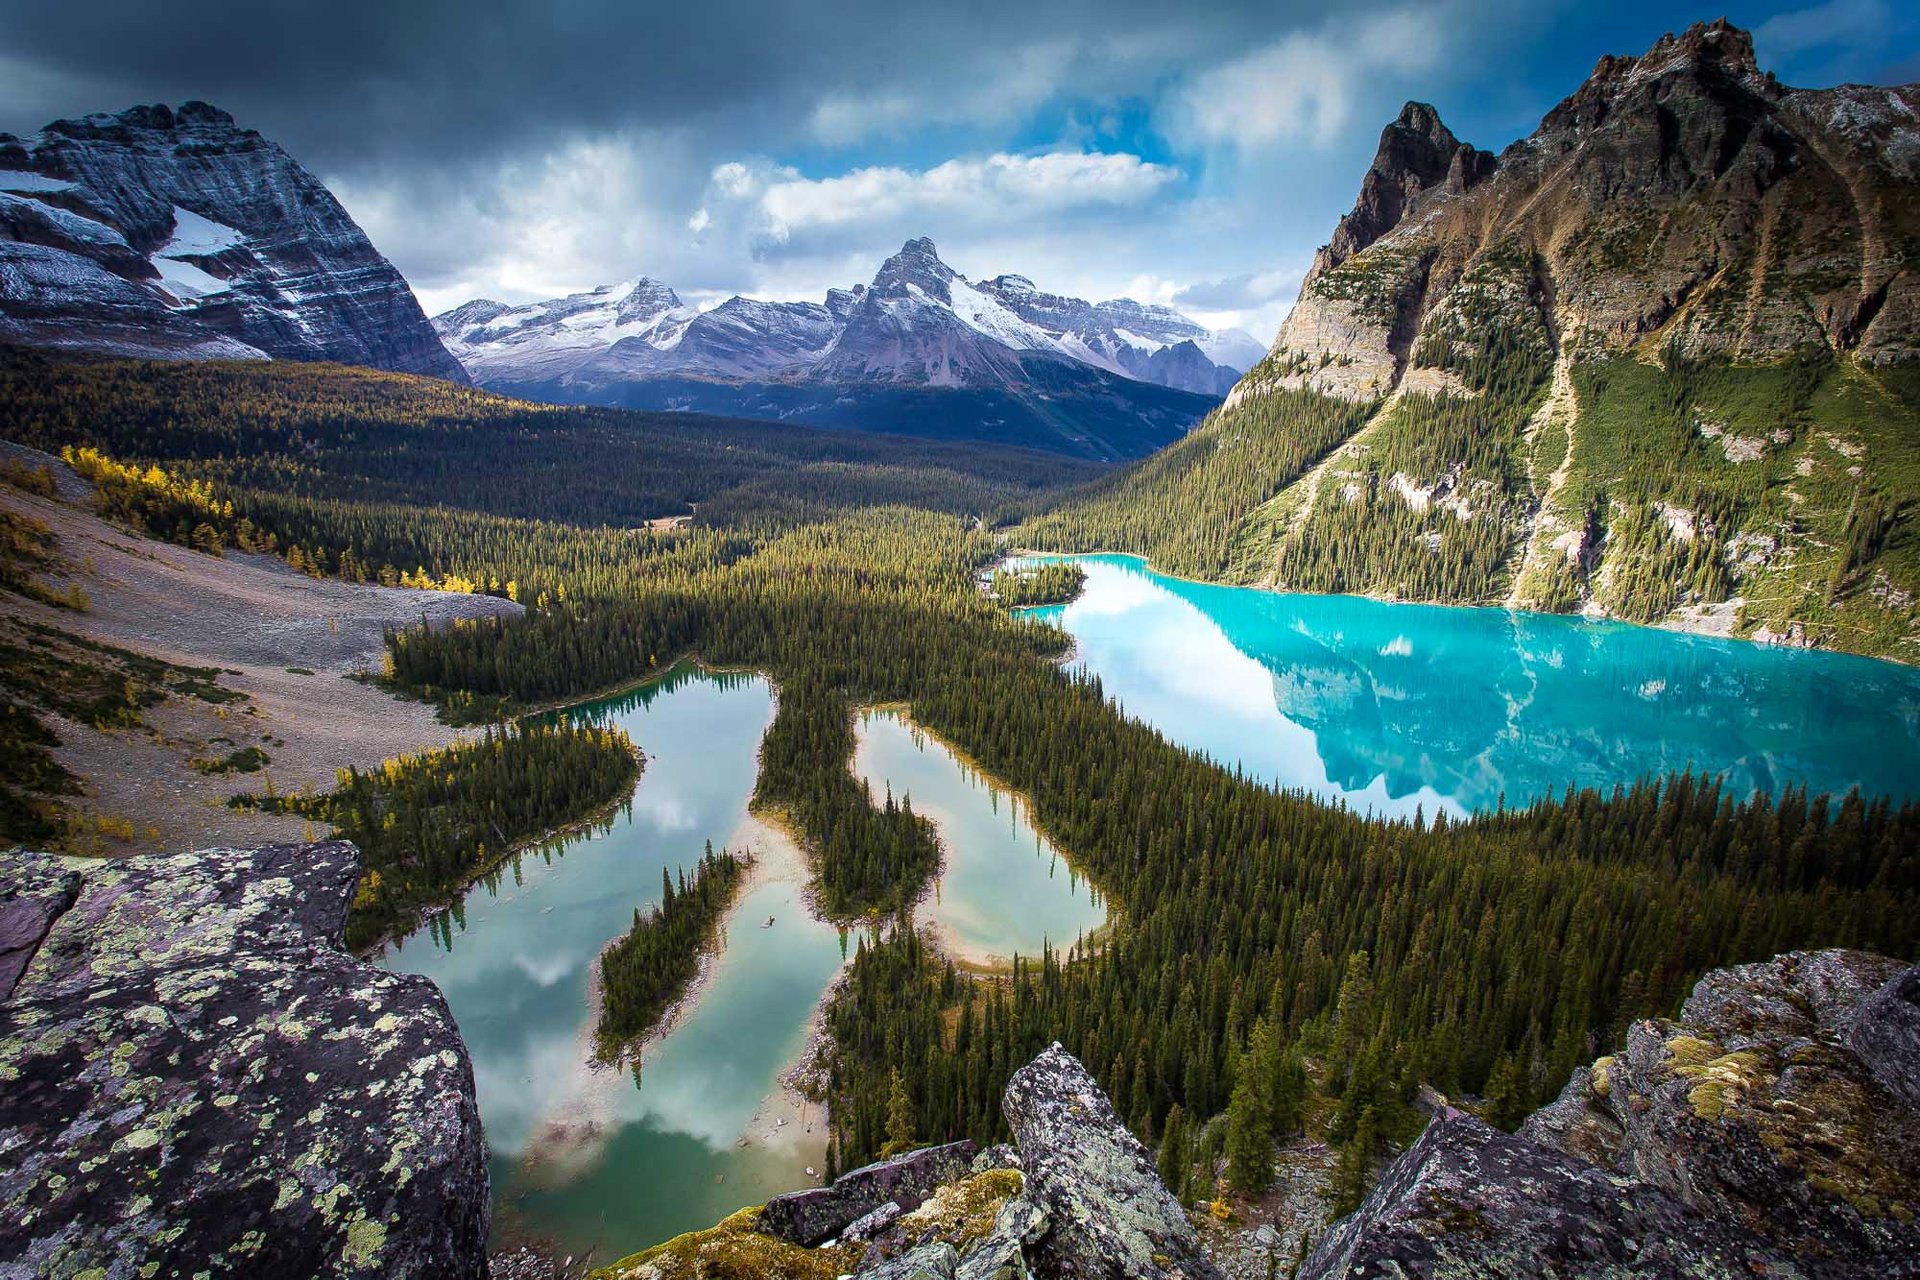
1659	360
199	1081
920	348
1772	1129
178	234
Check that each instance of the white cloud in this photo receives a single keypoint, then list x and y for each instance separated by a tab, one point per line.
1824	26
778	206
1303	87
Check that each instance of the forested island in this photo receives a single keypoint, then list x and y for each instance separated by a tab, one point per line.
642	974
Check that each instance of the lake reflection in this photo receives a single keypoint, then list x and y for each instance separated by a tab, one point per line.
1003	890
1392	707
583	1156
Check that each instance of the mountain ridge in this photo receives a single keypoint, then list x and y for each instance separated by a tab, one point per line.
1655	361
179	234
920	344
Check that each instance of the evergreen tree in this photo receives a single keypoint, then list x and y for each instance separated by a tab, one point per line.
1172	1163
1249	1137
899	1118
1355	1169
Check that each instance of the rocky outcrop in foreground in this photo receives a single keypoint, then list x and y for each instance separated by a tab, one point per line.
1771	1130
1075	1198
195	1079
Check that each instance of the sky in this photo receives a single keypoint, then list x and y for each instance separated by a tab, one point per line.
1193	154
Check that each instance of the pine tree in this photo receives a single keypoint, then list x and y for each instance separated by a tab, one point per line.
1249	1138
899	1118
1351	1175
1172	1163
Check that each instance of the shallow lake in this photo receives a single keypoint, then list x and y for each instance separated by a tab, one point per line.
1390	707
582	1156
1003	890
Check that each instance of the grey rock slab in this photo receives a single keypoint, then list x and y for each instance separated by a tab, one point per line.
820	1213
1468	1200
198	1080
1110	1215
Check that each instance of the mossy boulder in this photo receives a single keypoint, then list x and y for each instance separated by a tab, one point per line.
1756	1108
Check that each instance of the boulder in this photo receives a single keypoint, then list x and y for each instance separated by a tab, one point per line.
1002	1254
821	1213
929	1262
1763	1132
869	1225
199	1080
1110	1216
1756	1108
1468	1200
1886	1036
37	891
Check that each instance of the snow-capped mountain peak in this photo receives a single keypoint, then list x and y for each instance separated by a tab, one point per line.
919	322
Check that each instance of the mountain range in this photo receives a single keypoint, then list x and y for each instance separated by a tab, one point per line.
1656	361
177	234
921	347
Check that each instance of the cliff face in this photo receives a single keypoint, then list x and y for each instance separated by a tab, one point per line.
168	233
199	1080
1683	195
1772	1129
1659	361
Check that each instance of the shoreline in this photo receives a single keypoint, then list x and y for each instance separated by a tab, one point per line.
582	825
982	963
1708	627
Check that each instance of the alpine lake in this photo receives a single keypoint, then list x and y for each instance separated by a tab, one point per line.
1390	708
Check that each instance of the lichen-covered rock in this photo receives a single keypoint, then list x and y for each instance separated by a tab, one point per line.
1002	1253
869	1225
929	1262
1110	1215
1886	1036
37	890
1001	1155
196	1080
1755	1108
1468	1200
821	1213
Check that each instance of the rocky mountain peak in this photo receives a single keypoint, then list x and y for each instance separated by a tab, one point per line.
647	298
173	232
1417	152
917	264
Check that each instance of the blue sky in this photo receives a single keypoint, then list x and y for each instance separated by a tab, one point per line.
1191	154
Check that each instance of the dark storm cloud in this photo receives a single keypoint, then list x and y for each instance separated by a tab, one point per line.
440	78
773	147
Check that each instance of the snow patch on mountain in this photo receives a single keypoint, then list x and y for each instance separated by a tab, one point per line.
918	323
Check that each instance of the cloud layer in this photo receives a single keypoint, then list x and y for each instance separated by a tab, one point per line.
1189	153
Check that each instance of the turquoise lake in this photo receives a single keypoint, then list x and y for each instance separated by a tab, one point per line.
1393	707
